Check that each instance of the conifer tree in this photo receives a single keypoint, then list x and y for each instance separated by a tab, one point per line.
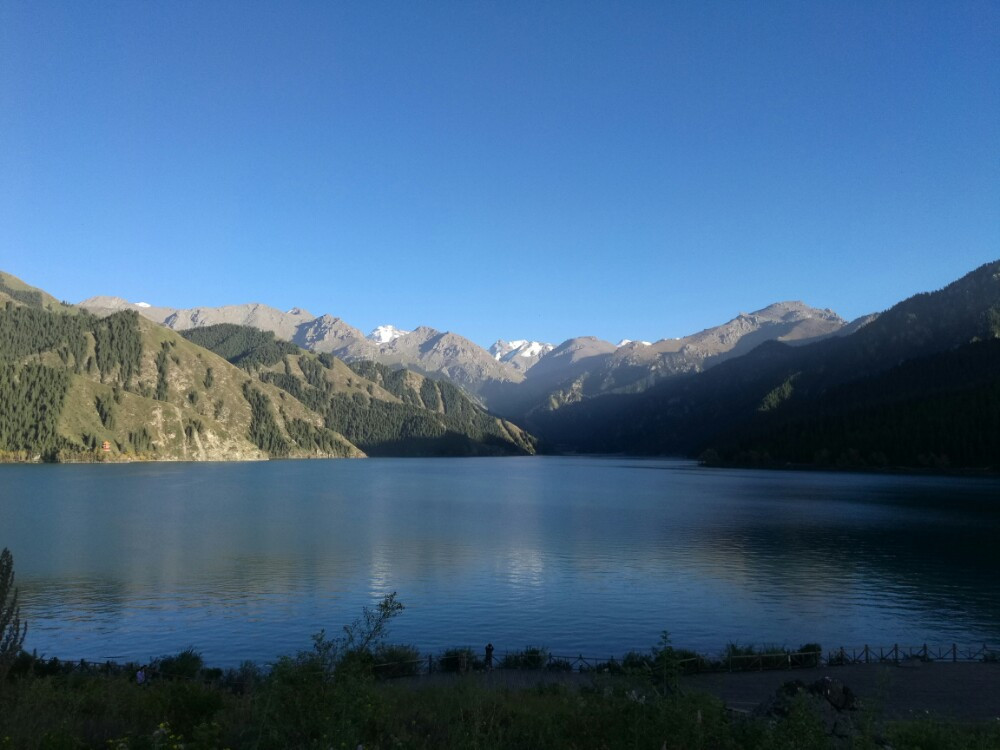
12	630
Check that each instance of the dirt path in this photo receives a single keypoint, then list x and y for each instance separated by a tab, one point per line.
963	692
967	692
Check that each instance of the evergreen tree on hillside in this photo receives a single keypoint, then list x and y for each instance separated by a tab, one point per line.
32	396
264	430
246	347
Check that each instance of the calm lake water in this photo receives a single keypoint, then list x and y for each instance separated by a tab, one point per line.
591	556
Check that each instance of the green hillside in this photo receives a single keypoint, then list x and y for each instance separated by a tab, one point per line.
383	411
12	289
72	385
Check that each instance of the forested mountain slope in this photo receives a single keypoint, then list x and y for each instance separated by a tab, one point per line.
385	411
741	408
75	387
74	384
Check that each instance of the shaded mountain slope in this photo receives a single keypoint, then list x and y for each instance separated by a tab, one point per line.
938	411
587	367
776	381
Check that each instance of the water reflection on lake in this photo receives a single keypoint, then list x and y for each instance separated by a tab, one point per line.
583	555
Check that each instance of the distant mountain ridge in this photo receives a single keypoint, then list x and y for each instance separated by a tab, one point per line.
587	367
919	385
423	349
915	385
516	377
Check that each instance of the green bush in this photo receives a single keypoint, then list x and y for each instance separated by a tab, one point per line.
186	665
532	657
452	659
397	661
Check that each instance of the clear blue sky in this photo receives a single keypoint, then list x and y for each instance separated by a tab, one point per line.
500	169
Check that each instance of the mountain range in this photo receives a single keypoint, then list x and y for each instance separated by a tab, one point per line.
919	385
789	384
78	387
513	378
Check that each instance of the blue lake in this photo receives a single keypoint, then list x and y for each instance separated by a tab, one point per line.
591	556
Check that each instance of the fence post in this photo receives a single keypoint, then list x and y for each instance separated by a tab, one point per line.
430	663
867	660
954	652
895	651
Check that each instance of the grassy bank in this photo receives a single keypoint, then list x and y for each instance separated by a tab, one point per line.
332	697
342	693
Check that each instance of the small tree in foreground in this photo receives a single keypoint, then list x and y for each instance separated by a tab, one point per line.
12	630
352	653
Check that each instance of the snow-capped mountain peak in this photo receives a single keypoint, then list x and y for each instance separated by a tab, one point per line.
142	304
623	342
385	334
521	353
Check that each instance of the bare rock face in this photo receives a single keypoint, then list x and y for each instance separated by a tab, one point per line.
464	363
283	324
333	336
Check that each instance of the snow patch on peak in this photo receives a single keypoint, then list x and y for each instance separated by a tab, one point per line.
385	334
142	304
533	348
509	351
623	342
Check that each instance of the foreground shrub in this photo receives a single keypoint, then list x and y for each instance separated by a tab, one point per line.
12	630
186	665
397	661
533	657
453	659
